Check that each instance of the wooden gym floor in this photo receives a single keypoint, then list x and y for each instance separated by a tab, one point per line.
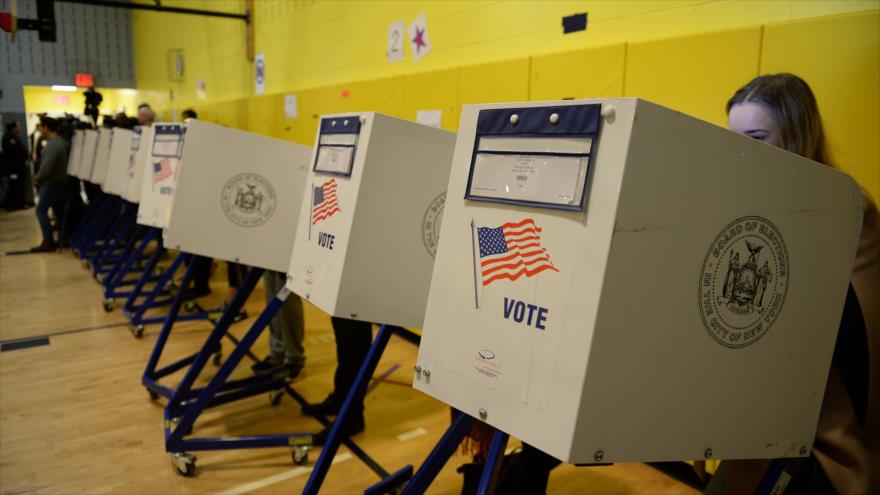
74	417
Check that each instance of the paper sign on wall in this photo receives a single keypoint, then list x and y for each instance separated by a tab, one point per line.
418	37
201	89
395	41
290	106
259	74
432	118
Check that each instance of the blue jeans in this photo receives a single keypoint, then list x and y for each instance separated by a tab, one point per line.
52	195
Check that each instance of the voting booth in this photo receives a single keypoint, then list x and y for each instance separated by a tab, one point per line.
138	156
238	197
87	157
117	163
617	281
370	217
160	175
102	156
75	157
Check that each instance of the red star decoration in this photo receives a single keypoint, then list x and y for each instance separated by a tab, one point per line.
418	39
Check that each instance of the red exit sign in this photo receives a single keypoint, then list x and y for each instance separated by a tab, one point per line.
84	80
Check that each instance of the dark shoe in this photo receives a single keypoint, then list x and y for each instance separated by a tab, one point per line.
352	427
276	367
190	294
241	316
329	407
45	247
268	366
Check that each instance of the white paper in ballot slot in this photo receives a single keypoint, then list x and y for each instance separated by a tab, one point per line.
75	156
160	174
87	160
102	155
239	196
674	300
117	164
370	218
138	156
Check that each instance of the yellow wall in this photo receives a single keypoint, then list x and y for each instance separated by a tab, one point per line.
689	55
42	99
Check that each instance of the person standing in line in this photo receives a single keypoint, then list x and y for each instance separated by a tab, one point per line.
15	167
51	182
286	332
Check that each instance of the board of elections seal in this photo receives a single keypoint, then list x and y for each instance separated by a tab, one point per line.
743	281
248	200
431	221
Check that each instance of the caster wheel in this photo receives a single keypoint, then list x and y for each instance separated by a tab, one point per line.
185	464
275	397
217	358
139	331
108	305
100	278
85	264
189	307
153	395
300	455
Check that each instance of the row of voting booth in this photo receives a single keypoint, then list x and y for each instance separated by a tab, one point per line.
608	280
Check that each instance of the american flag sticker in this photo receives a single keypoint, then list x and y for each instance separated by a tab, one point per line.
508	252
161	170
325	203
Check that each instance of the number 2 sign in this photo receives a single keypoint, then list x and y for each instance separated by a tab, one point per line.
395	41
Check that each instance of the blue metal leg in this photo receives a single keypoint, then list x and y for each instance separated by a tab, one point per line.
118	278
150	370
774	481
122	265
138	317
210	391
108	255
493	463
439	455
145	275
99	225
213	341
83	231
357	392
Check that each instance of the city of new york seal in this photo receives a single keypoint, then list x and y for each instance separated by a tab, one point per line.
248	200
743	281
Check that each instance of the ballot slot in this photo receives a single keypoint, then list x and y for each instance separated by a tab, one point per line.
534	156
168	141
337	144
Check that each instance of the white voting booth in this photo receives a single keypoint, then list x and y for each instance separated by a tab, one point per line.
138	156
617	281
160	174
238	197
75	157
102	156
368	222
117	163
87	157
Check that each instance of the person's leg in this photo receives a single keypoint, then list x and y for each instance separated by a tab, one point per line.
46	200
292	323
201	275
274	362
234	275
353	340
